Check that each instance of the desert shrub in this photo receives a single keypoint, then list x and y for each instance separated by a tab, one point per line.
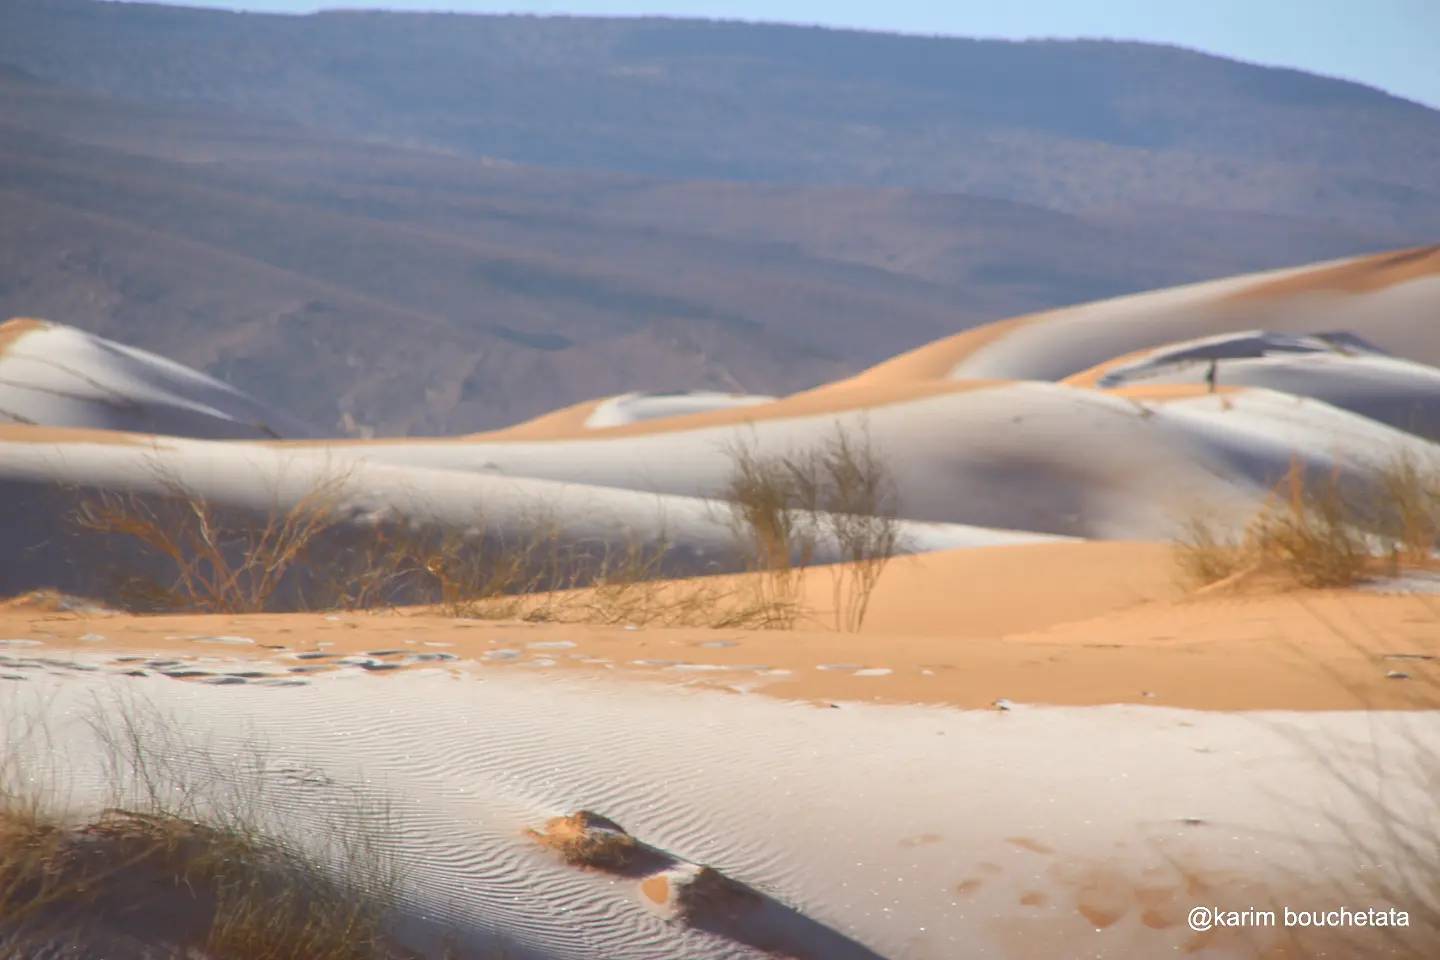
498	576
1408	512
207	559
184	554
176	551
1314	534
537	576
783	508
859	501
772	511
1206	552
1320	534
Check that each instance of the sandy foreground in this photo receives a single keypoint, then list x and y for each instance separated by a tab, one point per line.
1030	752
1082	623
1153	751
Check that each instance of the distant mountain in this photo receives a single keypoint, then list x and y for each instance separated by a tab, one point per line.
331	212
1079	125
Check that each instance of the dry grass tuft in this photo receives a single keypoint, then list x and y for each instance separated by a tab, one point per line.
1313	535
181	882
772	513
184	868
1410	517
538	576
783	508
1207	553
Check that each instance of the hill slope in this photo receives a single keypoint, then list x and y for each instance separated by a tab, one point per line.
1069	124
402	290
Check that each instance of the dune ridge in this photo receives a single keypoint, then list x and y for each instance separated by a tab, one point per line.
983	444
53	375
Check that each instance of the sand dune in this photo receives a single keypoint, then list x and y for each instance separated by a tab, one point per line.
57	376
905	832
570	423
43	472
1338	369
1038	743
1386	298
639	407
1357	275
1037	458
1029	456
610	413
982	450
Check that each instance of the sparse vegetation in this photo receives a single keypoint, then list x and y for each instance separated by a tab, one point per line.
772	512
1207	553
1312	534
179	552
1319	534
784	508
212	562
243	898
1410	519
538	576
182	861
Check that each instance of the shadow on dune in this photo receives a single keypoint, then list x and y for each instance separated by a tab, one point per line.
695	895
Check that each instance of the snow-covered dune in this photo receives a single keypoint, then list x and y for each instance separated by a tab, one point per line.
1041	457
1338	369
994	464
56	376
43	471
1389	299
640	407
1133	442
911	833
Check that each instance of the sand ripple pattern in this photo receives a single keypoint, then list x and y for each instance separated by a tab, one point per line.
817	809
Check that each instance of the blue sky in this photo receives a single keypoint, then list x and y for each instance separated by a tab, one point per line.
1390	44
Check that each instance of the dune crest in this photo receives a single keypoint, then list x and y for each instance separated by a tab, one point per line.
1388	297
52	375
1357	276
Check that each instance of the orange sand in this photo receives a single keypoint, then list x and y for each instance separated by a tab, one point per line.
1360	276
13	329
1078	624
994	591
30	433
565	422
934	361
